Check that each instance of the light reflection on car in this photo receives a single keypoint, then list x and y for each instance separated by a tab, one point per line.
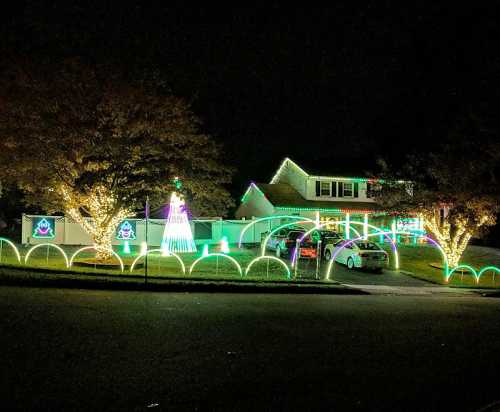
358	254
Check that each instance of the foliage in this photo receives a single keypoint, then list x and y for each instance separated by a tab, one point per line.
93	140
455	187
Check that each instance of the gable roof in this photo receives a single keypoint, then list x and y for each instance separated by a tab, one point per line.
282	195
287	162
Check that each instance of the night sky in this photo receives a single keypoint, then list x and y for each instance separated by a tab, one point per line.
331	88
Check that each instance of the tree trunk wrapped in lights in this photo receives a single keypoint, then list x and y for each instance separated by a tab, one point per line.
105	215
95	141
453	233
453	186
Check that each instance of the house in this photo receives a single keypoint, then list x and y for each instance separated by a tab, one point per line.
328	199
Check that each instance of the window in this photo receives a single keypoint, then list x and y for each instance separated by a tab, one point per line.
202	230
369	190
325	188
347	189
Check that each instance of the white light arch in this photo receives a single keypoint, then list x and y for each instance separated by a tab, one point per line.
288	274
48	245
438	246
122	266
263	219
216	254
354	222
13	246
161	251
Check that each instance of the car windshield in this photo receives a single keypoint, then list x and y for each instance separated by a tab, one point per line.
367	246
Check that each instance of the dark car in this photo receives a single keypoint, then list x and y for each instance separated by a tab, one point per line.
327	237
284	241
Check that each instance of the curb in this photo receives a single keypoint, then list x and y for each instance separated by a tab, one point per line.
54	280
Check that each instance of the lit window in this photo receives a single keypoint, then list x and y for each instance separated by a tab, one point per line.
325	188
347	189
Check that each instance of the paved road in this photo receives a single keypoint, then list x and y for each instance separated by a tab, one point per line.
342	274
103	350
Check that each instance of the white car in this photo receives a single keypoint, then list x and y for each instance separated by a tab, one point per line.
358	254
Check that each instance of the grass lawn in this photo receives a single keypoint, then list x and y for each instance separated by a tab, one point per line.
416	259
413	258
217	267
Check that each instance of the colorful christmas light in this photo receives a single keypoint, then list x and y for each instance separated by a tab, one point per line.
177	236
171	254
264	219
288	274
48	245
214	255
43	229
13	246
97	249
126	247
205	250
224	245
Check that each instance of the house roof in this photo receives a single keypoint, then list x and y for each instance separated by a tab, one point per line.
285	196
327	172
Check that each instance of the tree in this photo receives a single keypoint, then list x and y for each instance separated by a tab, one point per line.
454	188
94	141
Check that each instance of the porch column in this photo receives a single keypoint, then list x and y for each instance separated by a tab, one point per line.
347	226
365	226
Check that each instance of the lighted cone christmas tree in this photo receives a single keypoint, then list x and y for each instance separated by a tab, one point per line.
177	236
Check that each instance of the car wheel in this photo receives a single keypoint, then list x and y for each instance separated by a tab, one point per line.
350	263
328	255
278	252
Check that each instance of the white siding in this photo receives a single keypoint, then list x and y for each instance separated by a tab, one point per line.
311	191
290	173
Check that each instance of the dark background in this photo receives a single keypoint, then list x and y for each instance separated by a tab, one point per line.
331	88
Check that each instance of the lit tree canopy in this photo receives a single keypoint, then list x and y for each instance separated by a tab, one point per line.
455	188
95	141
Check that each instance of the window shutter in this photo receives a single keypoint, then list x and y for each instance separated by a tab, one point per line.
368	189
318	188
341	189
334	189
356	189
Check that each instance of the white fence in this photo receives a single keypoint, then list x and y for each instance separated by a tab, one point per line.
205	231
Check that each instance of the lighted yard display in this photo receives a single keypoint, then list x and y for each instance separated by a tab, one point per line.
12	245
205	250
351	222
453	189
160	251
47	245
332	260
210	255
177	236
44	228
111	141
250	265
113	253
126	232
224	245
